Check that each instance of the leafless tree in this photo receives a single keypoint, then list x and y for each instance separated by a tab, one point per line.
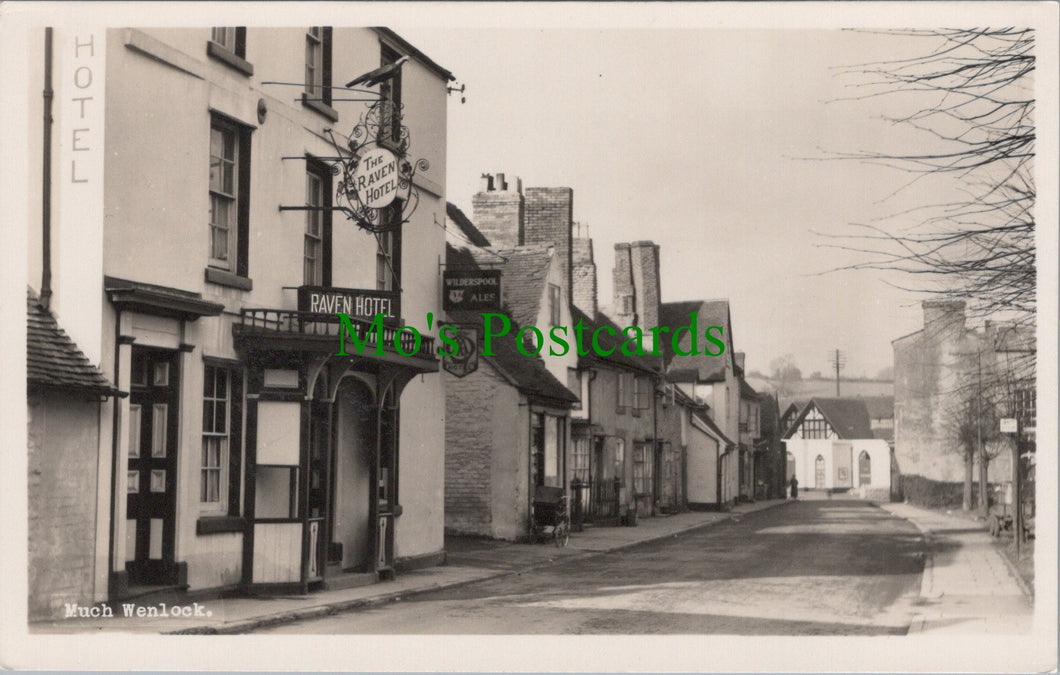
975	96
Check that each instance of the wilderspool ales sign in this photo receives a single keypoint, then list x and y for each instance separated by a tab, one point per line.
354	302
474	290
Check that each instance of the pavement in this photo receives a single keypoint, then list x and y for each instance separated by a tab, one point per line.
468	560
968	585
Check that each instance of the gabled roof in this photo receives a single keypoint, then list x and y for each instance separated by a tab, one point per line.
464	225
53	359
708	313
847	416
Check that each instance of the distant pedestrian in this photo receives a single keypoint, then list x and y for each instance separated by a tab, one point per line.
794	487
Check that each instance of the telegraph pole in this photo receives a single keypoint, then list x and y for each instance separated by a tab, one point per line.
839	359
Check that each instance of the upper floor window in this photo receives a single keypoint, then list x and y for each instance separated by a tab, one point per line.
388	251
815	428
232	38
554	305
228	44
390	91
318	71
316	250
229	195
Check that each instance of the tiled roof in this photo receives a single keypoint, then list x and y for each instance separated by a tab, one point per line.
524	270
644	363
527	373
708	313
465	226
880	407
53	359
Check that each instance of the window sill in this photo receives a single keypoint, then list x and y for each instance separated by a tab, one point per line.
321	107
229	58
219	524
223	278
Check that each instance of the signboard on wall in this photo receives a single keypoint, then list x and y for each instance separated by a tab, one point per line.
465	360
358	303
474	290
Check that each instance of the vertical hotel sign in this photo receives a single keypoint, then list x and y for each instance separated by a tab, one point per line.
79	57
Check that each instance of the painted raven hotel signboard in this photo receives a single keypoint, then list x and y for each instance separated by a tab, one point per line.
357	303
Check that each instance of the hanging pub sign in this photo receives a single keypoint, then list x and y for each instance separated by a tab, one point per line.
464	360
474	290
377	178
355	302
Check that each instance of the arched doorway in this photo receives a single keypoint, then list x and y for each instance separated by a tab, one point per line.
864	468
790	470
818	472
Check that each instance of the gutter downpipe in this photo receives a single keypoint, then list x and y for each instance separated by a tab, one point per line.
46	184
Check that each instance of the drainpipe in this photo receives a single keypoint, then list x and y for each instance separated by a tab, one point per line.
46	184
115	446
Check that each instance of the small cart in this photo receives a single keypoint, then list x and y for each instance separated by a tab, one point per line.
549	517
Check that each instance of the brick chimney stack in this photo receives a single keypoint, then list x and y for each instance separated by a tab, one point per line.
583	293
498	211
637	288
550	220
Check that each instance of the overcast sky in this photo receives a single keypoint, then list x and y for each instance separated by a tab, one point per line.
708	142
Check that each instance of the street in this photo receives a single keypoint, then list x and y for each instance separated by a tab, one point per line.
814	567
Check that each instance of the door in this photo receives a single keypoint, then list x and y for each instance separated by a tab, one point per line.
818	472
317	529
152	478
842	460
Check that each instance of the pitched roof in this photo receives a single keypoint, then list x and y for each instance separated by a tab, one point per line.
465	226
848	416
705	419
747	391
524	271
53	359
708	313
880	407
527	373
646	363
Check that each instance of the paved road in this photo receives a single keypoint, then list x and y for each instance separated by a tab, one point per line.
834	567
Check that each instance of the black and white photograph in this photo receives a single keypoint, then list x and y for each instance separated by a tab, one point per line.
540	337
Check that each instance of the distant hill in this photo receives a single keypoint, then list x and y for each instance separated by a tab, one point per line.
805	389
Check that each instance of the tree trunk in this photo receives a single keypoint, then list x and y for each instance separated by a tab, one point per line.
966	503
984	500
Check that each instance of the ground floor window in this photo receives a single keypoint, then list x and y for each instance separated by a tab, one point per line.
818	470
642	468
580	460
221	438
546	449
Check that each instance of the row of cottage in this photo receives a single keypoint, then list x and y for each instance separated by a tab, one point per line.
206	199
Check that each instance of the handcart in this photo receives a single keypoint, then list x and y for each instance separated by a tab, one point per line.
549	517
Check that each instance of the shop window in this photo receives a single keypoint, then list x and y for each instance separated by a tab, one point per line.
229	196
221	439
552	446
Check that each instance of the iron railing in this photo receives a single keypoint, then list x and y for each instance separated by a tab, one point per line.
293	322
